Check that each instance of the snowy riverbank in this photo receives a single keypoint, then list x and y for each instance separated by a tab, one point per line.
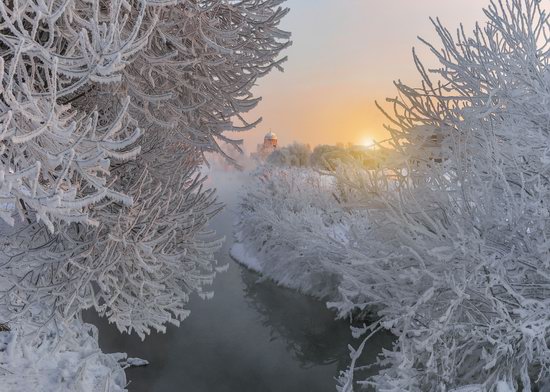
273	234
335	238
64	359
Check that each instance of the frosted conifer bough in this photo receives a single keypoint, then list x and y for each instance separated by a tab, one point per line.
106	110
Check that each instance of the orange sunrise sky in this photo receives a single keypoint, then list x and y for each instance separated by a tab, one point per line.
346	54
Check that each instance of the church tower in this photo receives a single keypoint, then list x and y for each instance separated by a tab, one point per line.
270	141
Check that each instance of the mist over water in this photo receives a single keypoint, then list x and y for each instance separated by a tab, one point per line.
252	336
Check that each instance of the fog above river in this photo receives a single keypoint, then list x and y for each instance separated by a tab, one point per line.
252	336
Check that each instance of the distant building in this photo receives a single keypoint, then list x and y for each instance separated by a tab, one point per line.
270	141
269	145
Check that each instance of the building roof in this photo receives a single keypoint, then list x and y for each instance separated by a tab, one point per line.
270	136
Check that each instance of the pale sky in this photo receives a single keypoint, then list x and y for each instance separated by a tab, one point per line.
346	55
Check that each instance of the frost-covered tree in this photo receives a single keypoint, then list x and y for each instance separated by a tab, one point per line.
457	257
326	157
294	155
448	241
107	108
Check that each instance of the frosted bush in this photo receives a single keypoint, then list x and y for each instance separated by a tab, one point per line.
291	228
458	260
448	241
60	358
109	107
107	110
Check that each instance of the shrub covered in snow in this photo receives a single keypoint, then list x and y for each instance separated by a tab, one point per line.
58	358
453	253
463	280
291	228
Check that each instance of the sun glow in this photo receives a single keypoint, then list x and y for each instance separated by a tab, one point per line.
368	142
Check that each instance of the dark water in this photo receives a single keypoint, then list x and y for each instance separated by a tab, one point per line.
252	336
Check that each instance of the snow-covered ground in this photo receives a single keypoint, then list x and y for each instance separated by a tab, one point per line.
42	353
64	359
246	257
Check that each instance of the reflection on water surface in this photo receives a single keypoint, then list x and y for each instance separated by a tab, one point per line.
252	336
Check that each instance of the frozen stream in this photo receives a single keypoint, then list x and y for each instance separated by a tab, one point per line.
252	336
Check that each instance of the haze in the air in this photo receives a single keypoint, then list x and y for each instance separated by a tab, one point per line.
342	60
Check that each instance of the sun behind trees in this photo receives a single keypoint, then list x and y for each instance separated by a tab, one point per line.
106	110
